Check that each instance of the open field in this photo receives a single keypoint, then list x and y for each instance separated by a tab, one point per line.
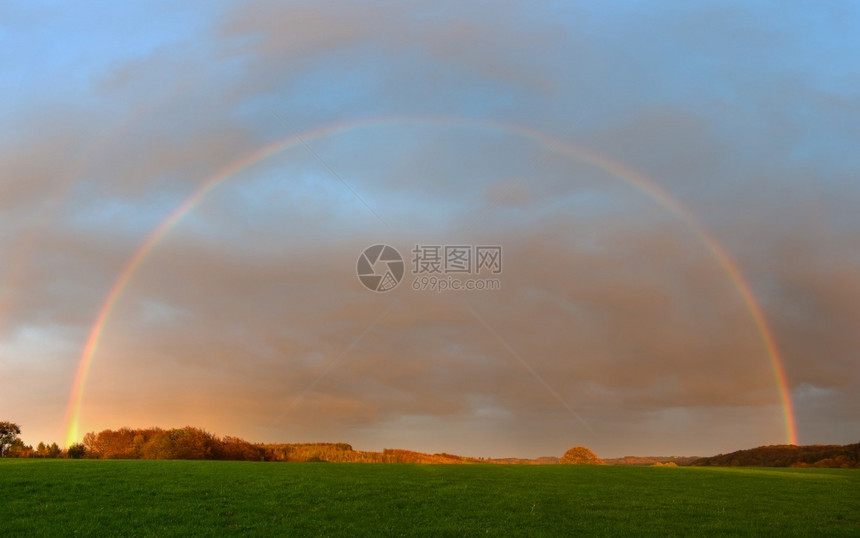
210	497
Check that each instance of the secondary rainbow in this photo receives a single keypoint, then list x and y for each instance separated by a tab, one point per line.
629	175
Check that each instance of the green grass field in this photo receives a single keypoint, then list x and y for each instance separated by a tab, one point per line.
64	497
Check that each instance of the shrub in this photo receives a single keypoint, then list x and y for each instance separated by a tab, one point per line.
77	451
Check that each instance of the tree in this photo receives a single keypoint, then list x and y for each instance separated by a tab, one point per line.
19	450
9	432
579	455
77	451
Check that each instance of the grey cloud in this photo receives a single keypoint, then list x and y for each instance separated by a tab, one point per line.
606	295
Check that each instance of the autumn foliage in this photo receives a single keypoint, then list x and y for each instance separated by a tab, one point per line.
579	455
191	443
342	452
833	456
187	443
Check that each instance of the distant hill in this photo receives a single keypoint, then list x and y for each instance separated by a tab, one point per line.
834	456
344	453
651	460
543	460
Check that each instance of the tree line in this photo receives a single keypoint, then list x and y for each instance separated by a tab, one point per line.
126	443
11	446
190	443
826	456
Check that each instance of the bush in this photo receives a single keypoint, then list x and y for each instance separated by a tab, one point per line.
77	451
579	455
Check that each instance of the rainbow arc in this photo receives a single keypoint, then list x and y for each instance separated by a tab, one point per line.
618	170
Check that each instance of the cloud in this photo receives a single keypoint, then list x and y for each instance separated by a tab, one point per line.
247	317
509	192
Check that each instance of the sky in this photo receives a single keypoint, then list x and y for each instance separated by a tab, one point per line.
186	190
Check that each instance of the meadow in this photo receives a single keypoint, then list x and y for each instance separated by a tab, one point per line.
205	498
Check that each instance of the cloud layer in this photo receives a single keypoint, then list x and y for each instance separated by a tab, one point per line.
615	327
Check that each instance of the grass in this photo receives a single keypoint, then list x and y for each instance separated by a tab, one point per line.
207	498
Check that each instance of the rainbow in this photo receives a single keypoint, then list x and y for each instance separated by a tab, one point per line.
630	176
